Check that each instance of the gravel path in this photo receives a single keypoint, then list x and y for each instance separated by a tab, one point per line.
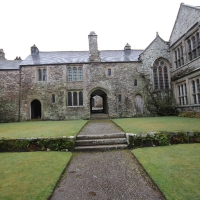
111	175
94	127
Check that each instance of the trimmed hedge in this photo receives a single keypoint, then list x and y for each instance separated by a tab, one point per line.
191	114
162	138
37	144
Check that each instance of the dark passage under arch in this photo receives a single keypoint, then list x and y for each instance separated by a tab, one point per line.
98	102
35	109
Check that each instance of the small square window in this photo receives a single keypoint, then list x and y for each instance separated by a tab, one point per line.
135	82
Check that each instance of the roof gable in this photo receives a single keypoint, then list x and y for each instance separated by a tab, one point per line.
186	18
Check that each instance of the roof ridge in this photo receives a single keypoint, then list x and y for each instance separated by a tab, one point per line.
196	7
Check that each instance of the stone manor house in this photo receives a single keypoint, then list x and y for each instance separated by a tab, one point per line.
65	84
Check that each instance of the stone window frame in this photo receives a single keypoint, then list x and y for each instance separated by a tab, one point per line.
109	72
161	74
195	88
41	74
182	94
74	98
193	46
74	73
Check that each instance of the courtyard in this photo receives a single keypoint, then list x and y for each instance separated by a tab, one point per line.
34	175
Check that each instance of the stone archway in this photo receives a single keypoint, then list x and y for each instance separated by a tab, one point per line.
36	109
139	103
98	102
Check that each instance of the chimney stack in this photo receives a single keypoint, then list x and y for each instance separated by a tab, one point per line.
93	47
2	55
127	47
34	50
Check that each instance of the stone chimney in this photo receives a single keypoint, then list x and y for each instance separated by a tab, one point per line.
127	47
34	50
18	58
93	47
2	55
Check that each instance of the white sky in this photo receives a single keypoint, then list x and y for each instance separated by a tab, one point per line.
64	25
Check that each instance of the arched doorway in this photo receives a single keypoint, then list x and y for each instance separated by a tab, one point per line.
98	102
139	104
35	109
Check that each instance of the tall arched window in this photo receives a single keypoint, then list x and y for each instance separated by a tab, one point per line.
161	74
80	98
75	98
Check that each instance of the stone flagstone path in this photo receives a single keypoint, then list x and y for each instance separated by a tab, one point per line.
109	175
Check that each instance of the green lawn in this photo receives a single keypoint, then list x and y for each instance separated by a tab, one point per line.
41	129
31	175
148	124
175	169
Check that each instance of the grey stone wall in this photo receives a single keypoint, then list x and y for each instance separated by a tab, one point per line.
186	18
158	48
94	77
9	95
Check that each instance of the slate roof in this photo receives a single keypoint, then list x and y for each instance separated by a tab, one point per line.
186	18
10	64
64	57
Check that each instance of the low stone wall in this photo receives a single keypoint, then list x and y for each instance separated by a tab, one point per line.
162	138
37	144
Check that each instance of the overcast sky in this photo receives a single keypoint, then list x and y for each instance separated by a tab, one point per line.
64	25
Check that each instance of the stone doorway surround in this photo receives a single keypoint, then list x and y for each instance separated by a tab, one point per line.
100	93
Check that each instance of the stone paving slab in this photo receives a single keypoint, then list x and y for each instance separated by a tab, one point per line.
111	175
95	127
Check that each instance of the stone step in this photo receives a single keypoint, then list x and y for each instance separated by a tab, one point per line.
99	116
101	136
93	142
100	147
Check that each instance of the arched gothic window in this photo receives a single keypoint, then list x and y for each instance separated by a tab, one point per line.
160	74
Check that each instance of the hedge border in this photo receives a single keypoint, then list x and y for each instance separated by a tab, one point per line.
162	138
37	144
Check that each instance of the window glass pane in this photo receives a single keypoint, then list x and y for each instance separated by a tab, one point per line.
109	72
44	74
193	87
160	77
69	99
135	82
198	86
53	98
178	53
80	73
80	98
155	75
69	73
189	45
75	98
39	74
193	42
74	74
166	78
120	98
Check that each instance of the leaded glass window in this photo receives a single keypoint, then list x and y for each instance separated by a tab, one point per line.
80	98
69	99
69	72
160	74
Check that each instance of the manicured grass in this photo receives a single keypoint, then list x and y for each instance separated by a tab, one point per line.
148	124
41	129
30	175
175	169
